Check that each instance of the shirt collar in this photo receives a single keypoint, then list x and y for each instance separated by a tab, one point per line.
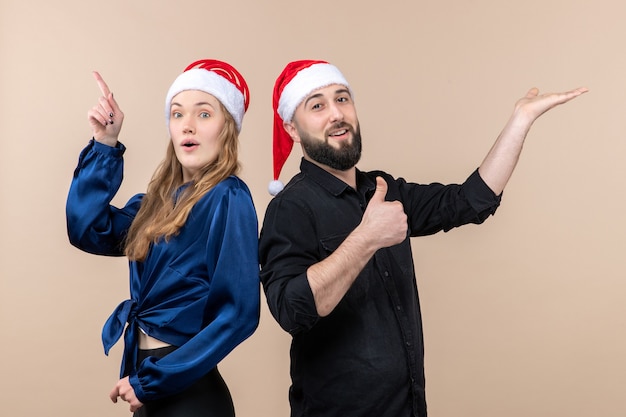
333	184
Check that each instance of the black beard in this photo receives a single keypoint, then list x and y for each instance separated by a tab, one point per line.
341	159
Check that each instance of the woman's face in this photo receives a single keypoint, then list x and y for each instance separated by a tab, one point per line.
196	121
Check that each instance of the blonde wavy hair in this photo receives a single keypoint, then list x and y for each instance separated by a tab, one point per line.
161	216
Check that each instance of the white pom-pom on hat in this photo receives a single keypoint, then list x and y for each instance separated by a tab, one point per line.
275	187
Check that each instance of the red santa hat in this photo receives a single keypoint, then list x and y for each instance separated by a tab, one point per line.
217	78
293	85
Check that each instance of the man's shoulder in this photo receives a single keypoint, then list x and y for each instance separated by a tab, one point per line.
376	173
299	187
371	175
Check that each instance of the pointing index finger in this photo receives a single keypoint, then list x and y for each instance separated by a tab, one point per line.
104	88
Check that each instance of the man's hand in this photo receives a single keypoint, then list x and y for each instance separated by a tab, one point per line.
384	222
533	105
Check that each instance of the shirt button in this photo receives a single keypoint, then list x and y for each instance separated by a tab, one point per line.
386	273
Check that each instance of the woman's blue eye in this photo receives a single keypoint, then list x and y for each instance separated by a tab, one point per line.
176	115
205	114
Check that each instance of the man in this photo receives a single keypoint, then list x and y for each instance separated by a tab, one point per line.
335	252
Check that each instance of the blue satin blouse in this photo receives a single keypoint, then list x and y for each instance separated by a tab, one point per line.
198	291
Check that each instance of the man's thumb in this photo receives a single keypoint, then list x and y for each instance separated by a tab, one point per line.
381	190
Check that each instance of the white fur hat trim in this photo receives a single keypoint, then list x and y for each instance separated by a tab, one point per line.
209	82
306	81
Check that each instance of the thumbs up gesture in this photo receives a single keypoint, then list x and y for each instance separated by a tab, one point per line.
384	222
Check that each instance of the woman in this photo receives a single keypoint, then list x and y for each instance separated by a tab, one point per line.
191	240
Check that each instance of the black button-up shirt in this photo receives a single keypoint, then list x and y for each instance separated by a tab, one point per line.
366	358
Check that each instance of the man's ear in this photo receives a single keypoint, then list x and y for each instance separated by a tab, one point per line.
291	131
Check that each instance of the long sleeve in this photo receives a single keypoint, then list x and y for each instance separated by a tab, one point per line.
289	245
436	207
231	305
93	225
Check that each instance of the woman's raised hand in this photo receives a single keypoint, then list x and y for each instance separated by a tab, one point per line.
105	117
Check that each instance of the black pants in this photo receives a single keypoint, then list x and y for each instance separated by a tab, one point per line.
208	397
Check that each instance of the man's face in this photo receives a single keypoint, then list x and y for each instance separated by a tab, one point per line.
327	127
